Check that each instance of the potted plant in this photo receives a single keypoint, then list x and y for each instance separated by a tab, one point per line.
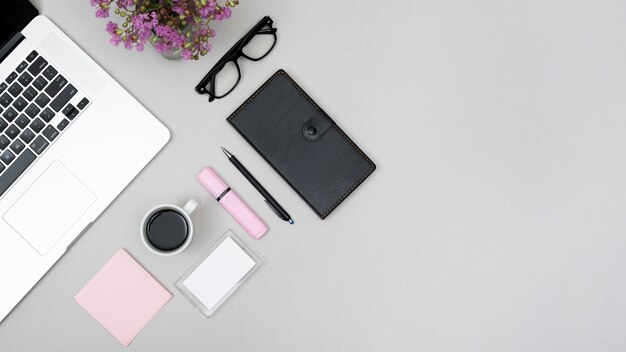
176	28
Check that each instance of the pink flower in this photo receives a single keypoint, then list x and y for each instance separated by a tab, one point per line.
160	47
205	11
125	4
141	20
186	54
102	7
102	13
209	9
115	39
161	29
111	27
225	14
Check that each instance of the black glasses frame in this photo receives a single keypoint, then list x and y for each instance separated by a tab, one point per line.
232	55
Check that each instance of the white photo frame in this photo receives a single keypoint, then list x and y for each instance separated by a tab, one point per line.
219	273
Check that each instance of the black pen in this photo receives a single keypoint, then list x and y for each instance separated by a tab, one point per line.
269	200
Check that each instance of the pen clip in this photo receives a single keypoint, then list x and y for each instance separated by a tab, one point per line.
273	209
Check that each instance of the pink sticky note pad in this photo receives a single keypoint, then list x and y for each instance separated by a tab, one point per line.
123	297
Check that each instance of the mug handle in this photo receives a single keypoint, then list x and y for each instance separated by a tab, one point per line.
191	205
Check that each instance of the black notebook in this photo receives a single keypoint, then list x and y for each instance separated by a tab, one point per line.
302	143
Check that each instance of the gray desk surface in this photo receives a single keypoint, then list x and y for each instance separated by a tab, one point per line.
495	220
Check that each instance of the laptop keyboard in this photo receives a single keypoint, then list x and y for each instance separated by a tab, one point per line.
37	104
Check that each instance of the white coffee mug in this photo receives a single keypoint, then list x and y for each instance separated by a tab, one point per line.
185	212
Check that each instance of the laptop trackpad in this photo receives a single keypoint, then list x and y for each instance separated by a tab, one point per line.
49	208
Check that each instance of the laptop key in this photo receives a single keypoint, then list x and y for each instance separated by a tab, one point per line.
25	79
40	83
11	77
47	114
62	99
20	104
17	147
27	135
67	109
10	114
22	121
1	167
4	142
83	102
30	93
33	54
21	67
5	99
61	126
32	110
7	157
12	131
50	132
13	172
49	72
15	89
37	125
39	144
42	100
3	125
73	113
37	66
56	85
3	86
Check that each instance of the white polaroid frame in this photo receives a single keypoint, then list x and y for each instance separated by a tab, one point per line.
209	312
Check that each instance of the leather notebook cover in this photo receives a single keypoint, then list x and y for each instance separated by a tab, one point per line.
302	143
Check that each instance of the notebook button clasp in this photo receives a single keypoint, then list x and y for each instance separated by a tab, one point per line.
316	126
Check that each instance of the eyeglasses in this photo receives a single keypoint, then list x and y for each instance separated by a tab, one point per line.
225	75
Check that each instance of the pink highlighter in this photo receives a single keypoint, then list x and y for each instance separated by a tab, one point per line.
231	202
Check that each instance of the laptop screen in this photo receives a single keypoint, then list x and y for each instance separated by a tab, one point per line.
14	16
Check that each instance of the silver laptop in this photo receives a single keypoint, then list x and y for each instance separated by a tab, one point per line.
71	139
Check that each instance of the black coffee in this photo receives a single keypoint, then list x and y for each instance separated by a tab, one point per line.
167	230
